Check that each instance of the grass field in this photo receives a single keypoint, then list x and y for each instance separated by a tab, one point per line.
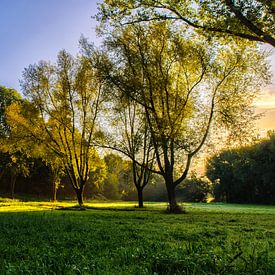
117	238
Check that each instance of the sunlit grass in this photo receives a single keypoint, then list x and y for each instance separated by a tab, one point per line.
117	238
16	205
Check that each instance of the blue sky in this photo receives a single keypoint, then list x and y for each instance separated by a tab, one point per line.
31	30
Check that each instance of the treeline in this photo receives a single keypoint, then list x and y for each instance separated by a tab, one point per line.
153	93
242	175
245	175
117	183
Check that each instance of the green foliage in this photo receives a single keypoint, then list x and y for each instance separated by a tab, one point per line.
194	189
7	96
185	86
61	120
245	174
111	188
97	175
31	175
211	239
13	160
114	181
252	20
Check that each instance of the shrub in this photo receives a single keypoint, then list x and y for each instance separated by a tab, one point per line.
195	189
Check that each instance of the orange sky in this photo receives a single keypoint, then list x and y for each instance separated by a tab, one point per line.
266	102
266	105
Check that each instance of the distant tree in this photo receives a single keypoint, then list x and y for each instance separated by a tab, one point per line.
184	87
97	177
4	157
115	166
20	146
128	133
244	174
131	137
57	170
13	161
67	98
7	96
262	170
251	20
19	164
195	189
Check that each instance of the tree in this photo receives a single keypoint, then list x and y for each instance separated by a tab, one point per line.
19	164
115	167
251	19
7	96
13	161
184	87
220	171
131	136
245	174
66	99
195	189
129	133
56	167
20	150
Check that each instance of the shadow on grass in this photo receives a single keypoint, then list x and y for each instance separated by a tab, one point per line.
86	207
119	209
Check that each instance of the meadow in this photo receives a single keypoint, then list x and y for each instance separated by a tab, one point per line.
117	238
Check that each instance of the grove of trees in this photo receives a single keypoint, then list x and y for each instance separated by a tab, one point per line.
156	92
246	174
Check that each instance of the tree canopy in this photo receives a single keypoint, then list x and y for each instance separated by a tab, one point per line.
251	19
7	96
63	114
184	87
246	174
169	78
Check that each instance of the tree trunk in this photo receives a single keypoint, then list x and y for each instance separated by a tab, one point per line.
79	195
140	197
54	191
173	206
13	181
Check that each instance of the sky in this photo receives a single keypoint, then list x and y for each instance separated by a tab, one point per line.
31	30
34	30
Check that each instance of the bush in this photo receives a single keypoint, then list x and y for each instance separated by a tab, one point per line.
194	189
245	174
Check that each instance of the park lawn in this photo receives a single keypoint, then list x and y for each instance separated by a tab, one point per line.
117	238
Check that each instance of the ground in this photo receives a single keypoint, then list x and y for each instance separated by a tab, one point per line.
117	238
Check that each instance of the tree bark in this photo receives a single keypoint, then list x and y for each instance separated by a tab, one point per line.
173	205
54	191
171	197
79	195
140	198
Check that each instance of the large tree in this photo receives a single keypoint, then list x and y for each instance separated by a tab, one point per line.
184	88
251	19
66	97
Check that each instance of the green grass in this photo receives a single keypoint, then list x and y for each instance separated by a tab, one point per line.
117	238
